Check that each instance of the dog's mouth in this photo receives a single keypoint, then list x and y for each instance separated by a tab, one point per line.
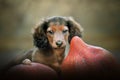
59	47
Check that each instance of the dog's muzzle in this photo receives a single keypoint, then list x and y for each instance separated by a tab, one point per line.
59	43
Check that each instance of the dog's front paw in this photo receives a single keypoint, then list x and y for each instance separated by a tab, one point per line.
26	61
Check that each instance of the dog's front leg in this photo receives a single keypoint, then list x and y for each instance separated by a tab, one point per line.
27	61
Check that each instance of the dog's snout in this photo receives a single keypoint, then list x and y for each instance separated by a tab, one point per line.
59	43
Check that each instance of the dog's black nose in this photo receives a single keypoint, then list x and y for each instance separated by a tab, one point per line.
59	43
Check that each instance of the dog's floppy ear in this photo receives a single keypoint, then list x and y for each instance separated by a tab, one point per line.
75	28
39	36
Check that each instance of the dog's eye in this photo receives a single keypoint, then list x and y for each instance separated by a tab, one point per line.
65	31
50	32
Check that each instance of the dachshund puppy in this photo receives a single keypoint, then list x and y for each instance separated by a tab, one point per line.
50	37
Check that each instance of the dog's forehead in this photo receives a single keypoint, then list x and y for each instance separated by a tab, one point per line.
56	18
56	23
57	27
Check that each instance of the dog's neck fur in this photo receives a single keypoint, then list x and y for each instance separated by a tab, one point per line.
59	53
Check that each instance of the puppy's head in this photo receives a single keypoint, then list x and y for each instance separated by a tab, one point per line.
55	32
57	35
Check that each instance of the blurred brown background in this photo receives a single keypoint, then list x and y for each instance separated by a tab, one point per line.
99	18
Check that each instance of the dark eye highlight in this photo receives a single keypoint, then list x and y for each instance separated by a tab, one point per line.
50	32
65	31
